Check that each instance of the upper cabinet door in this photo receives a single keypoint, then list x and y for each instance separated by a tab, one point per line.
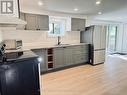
74	24
82	24
31	22
43	22
77	24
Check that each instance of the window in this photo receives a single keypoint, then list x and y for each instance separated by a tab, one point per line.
56	26
112	36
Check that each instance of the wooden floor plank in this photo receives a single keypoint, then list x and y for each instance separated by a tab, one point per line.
105	79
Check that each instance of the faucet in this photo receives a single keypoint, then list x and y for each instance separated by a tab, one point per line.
59	42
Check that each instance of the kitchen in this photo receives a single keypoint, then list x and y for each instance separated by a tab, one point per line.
64	41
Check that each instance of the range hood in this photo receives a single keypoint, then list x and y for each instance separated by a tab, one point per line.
9	20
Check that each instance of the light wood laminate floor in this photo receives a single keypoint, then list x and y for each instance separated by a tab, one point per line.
105	79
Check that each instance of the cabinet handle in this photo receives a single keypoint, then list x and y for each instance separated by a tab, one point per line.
78	29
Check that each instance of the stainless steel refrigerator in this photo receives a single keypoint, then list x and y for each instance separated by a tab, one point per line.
96	36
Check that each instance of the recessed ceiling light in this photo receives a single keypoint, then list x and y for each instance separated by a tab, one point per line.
99	13
40	3
98	2
75	9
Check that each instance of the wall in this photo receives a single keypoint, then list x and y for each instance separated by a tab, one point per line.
0	36
31	38
100	22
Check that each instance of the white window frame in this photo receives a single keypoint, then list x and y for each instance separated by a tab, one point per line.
54	19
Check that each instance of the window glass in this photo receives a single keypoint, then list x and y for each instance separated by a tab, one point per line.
56	26
112	37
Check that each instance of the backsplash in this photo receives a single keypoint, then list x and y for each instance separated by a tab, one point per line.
0	36
31	38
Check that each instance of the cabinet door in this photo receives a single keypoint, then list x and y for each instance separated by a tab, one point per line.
59	57
80	54
31	22
77	24
99	56
97	37
82	24
68	55
43	22
80	58
42	57
74	24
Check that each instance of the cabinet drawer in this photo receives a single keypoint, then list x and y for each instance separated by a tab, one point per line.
80	58
81	49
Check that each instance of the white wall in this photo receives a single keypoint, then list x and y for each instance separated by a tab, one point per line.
0	36
32	38
100	22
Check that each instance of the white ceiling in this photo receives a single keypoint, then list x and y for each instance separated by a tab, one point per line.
111	9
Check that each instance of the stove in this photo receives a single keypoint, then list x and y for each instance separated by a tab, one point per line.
19	73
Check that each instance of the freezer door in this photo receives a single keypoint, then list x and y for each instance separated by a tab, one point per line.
99	57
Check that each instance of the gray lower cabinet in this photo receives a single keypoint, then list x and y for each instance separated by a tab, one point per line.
68	56
58	57
42	55
80	58
81	54
65	56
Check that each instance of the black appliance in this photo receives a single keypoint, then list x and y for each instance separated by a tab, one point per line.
19	75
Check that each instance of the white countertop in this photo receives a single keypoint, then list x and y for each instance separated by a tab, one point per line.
27	48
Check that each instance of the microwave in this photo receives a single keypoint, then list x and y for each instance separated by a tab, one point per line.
13	44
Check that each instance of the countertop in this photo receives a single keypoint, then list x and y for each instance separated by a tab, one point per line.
25	55
27	48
